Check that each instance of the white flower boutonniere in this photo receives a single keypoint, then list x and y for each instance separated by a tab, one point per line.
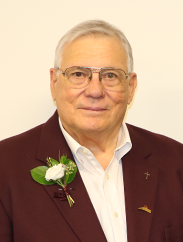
55	172
62	173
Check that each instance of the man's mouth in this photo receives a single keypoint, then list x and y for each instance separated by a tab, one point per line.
96	109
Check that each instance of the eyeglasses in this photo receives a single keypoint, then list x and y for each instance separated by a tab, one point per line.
111	78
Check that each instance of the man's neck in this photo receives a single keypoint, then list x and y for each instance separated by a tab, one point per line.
103	151
101	144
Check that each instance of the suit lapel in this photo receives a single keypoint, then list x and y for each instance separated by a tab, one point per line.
81	217
139	191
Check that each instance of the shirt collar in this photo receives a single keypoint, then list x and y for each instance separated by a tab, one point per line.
124	143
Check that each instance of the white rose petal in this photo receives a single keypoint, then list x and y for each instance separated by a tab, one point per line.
55	172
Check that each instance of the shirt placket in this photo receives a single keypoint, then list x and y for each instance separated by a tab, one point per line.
118	221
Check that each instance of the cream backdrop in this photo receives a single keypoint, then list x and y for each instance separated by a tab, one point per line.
30	30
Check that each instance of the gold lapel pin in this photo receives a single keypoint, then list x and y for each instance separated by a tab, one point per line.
147	175
145	208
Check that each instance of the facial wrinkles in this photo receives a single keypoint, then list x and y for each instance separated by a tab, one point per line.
80	92
84	101
91	53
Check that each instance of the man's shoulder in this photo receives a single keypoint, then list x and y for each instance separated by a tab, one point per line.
155	140
28	138
23	140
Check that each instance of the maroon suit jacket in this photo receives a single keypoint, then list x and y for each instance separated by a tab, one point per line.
30	213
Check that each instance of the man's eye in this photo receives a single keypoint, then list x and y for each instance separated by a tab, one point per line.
111	75
78	74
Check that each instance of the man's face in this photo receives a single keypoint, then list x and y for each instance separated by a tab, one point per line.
92	108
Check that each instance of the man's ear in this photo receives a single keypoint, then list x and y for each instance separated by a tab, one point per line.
53	81
132	86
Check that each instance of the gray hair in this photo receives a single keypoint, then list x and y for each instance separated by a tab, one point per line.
96	27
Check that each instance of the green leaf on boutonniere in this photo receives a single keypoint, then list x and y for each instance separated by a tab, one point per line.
66	176
71	171
53	161
63	160
38	174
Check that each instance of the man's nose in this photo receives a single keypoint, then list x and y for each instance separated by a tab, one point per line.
95	88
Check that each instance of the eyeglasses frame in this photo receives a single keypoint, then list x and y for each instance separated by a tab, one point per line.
95	68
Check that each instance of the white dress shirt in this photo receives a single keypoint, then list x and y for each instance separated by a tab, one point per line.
105	187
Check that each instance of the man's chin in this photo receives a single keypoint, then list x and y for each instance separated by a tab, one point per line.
89	126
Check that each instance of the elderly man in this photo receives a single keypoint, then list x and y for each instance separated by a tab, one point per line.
128	186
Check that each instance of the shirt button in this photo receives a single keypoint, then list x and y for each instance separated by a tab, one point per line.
84	151
107	176
116	215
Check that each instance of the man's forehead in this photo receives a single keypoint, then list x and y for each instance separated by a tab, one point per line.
94	47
